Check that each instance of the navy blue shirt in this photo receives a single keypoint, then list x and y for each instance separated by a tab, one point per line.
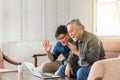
60	49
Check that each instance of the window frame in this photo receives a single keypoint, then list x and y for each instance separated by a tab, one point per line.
95	23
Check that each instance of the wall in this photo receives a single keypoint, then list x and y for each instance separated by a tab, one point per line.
82	9
1	23
25	23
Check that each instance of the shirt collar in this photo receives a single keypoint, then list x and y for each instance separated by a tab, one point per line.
83	37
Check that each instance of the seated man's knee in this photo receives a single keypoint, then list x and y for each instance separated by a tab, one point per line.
45	67
62	67
49	67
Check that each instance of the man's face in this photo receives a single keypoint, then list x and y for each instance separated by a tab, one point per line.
73	32
63	39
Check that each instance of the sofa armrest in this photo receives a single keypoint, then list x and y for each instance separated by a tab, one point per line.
37	55
9	60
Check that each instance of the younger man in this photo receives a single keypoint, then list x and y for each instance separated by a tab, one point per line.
60	47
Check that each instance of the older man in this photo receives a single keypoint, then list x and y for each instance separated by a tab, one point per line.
87	49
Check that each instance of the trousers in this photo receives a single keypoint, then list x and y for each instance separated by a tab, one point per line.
81	73
49	67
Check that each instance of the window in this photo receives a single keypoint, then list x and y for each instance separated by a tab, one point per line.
107	17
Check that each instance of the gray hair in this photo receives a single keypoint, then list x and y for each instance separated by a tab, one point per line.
77	23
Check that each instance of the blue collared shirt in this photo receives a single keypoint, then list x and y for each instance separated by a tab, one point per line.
60	49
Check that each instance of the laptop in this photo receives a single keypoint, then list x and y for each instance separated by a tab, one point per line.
37	73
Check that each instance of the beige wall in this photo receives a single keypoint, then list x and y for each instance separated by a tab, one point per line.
1	22
82	9
13	31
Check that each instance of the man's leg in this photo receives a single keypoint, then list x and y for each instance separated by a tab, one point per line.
49	67
82	73
61	72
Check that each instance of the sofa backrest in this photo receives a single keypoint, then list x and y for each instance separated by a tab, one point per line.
112	48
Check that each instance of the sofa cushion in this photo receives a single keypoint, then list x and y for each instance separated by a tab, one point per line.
112	47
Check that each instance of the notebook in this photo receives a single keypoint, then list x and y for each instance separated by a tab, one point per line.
35	72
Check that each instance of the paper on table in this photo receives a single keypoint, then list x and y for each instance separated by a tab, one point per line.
4	79
8	70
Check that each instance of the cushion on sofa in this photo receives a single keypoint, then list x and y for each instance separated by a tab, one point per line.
112	48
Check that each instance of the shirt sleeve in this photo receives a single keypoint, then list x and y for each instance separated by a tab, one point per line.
55	52
72	60
93	52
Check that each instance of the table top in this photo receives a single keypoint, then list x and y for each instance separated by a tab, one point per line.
26	75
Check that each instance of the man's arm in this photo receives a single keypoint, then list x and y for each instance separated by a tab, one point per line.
94	51
50	56
72	60
68	70
74	49
47	46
